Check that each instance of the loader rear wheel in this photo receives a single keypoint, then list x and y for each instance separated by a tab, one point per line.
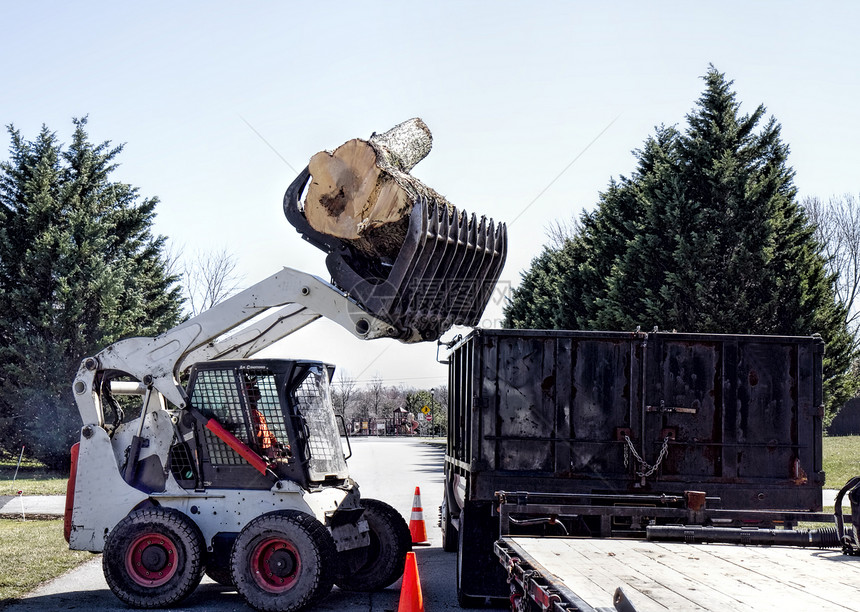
283	561
153	558
384	559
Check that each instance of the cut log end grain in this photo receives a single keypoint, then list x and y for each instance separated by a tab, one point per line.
342	184
362	192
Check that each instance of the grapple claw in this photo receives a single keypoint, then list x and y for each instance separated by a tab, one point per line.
444	274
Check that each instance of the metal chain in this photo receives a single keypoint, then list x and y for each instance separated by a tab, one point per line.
645	465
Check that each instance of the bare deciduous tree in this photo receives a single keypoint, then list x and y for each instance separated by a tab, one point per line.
375	400
209	278
559	231
837	228
837	224
173	259
343	392
376	396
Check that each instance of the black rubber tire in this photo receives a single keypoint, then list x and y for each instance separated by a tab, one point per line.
449	533
390	540
289	541
153	558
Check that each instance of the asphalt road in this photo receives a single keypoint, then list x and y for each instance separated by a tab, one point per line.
388	469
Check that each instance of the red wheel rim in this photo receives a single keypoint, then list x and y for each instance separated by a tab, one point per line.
276	564
151	560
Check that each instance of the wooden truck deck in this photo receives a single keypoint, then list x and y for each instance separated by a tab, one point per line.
678	576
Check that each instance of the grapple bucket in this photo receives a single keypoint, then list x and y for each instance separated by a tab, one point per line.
444	275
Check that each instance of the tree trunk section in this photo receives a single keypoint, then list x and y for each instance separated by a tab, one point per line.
362	191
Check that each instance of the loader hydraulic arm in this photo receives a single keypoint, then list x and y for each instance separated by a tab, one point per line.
238	327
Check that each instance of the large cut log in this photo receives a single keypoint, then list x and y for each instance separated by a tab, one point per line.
362	191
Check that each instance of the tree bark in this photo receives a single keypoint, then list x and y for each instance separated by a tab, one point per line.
362	191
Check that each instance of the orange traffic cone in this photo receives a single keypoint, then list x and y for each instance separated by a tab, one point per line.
411	599
416	522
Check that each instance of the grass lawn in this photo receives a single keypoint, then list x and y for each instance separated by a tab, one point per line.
841	460
33	478
32	552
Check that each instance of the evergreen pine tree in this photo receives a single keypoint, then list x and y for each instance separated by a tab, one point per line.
79	269
535	301
705	236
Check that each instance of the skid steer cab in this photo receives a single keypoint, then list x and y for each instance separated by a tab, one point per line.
248	484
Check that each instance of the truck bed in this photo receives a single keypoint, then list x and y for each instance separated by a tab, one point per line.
676	576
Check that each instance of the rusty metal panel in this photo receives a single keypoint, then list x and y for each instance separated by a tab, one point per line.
559	392
683	401
525	417
603	403
767	390
486	405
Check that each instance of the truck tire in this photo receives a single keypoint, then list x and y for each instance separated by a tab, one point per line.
153	558
465	601
283	561
385	559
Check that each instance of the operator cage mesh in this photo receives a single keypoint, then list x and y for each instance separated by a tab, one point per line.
245	402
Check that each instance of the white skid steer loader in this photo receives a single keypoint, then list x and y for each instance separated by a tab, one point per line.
234	466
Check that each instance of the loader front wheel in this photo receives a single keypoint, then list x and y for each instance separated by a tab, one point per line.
153	558
382	562
283	561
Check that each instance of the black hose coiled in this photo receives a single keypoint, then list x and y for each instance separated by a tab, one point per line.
825	537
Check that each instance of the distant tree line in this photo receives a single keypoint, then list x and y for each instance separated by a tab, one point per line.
376	400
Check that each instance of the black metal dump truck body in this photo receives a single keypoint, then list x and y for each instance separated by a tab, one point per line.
737	417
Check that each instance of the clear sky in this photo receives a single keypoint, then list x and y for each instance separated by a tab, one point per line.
512	91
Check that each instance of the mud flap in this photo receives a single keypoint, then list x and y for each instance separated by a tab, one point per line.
444	275
479	573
